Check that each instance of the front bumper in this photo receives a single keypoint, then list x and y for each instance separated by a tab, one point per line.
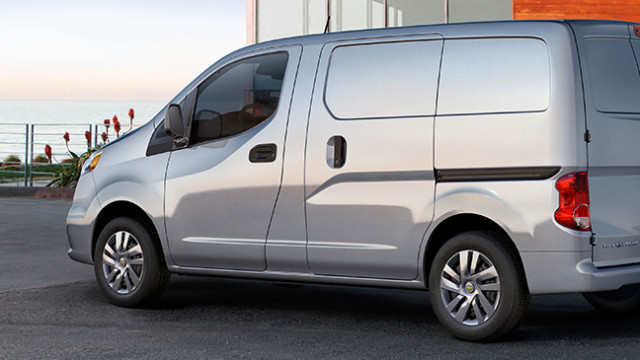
81	220
80	242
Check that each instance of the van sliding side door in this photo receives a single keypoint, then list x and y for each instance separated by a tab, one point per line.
369	156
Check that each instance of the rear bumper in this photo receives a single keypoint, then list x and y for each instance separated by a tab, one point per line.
570	272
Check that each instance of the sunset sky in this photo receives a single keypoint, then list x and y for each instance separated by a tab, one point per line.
112	50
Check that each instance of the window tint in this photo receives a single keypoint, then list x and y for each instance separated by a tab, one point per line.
494	76
615	83
238	97
383	80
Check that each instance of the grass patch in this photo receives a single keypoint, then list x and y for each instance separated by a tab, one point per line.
10	173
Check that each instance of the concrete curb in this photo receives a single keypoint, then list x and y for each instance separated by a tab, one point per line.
36	192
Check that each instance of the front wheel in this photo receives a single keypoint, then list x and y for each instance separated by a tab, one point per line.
622	301
477	289
128	263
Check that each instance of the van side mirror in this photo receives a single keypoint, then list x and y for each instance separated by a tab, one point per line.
174	125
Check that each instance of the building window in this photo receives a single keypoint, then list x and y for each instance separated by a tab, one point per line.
274	19
356	14
411	12
474	10
284	18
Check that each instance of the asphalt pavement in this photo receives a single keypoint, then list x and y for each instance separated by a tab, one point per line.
51	308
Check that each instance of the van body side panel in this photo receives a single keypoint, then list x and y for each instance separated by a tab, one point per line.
126	175
612	87
524	216
533	119
374	100
218	202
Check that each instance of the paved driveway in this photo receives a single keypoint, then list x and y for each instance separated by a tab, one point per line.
50	308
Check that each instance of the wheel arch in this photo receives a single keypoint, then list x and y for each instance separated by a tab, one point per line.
461	223
124	209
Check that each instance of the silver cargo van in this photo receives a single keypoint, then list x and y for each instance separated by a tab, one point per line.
484	162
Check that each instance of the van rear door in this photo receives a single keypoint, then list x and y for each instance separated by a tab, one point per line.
609	54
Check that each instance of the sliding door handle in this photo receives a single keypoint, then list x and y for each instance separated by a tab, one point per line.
336	152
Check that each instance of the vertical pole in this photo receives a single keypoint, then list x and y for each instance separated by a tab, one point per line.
89	140
31	166
446	11
252	22
95	134
26	152
385	9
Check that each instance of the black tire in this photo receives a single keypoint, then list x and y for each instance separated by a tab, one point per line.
625	300
132	271
483	306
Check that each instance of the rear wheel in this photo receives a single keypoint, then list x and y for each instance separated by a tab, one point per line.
128	263
477	289
622	301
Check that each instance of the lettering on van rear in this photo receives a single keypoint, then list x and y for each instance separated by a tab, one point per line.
620	244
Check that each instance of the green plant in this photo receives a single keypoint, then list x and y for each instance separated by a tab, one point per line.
40	159
12	160
68	175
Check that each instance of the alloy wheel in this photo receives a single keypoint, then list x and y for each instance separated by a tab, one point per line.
470	287
122	262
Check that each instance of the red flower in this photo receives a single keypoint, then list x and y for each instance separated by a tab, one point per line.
87	135
105	137
66	137
107	122
131	114
115	119
47	151
116	126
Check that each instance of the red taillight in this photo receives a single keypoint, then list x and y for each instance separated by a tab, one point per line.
574	201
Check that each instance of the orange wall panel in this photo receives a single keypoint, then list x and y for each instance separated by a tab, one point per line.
627	10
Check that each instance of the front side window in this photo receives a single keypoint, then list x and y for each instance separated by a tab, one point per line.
238	97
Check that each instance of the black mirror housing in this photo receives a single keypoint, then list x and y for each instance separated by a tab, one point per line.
174	125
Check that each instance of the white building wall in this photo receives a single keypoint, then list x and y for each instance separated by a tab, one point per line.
272	19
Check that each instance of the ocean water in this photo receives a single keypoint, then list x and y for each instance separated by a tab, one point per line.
51	119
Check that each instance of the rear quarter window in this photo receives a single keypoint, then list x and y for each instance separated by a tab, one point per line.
495	75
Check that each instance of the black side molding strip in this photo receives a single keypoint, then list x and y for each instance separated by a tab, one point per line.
496	174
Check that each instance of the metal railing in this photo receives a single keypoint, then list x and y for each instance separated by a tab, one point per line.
30	140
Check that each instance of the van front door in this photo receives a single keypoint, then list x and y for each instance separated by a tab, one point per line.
222	188
369	156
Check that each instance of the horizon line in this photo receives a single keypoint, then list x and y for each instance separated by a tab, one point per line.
103	100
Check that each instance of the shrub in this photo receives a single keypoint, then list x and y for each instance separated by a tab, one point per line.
12	159
40	159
